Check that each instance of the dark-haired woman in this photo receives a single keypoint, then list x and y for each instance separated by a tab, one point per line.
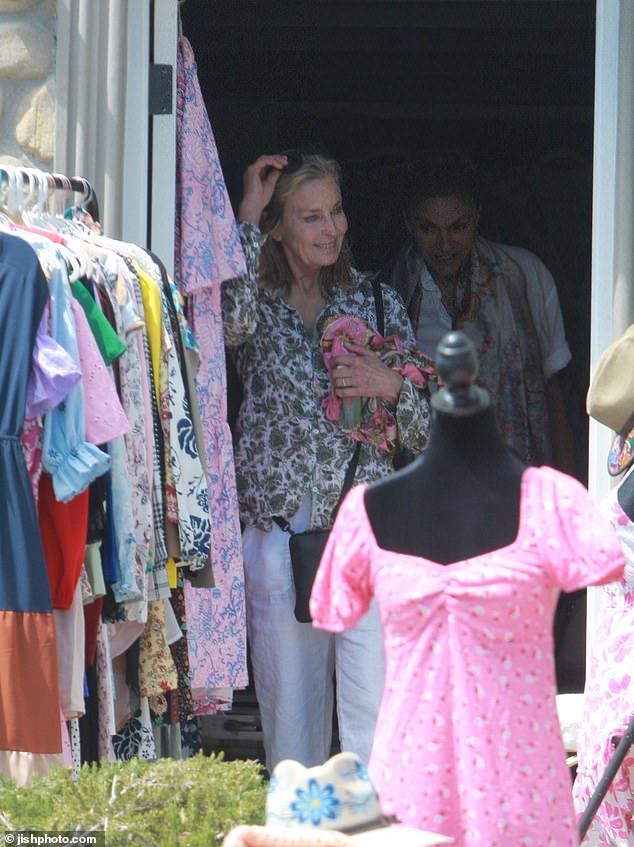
291	459
503	298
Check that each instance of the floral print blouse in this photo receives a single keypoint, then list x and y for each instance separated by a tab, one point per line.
286	448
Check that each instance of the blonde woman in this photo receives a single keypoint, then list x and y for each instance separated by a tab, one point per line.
291	459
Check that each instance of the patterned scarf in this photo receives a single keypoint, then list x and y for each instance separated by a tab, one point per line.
496	316
498	320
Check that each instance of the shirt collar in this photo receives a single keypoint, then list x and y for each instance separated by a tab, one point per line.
427	280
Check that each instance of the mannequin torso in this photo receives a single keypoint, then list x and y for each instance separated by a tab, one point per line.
460	499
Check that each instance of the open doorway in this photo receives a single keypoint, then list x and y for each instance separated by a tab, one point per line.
510	81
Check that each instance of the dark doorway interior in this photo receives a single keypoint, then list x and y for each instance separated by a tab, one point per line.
375	80
509	81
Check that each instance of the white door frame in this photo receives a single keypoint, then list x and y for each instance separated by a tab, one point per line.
163	152
612	303
103	131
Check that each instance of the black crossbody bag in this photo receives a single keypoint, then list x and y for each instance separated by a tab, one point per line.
307	547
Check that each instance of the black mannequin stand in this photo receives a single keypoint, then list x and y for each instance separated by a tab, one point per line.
461	498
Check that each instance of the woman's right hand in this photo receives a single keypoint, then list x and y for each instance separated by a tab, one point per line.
259	181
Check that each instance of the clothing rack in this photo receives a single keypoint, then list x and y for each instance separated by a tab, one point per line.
31	207
45	181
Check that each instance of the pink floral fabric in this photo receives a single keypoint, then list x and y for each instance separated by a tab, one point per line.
468	742
31	443
208	251
216	632
207	242
609	701
367	419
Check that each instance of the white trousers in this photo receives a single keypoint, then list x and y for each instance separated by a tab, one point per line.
294	664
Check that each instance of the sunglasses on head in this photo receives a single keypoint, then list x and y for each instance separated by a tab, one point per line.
296	155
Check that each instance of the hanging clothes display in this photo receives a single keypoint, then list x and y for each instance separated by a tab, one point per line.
207	252
99	573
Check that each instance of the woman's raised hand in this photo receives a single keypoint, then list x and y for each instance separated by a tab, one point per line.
259	181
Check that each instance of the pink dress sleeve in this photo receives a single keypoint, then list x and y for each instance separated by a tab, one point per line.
343	586
105	417
578	543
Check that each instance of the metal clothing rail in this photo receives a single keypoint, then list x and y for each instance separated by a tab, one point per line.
55	182
601	789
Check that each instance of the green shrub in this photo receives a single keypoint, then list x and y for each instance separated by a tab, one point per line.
190	803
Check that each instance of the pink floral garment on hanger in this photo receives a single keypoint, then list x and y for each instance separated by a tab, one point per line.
208	251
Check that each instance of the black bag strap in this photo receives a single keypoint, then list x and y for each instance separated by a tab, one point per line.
354	461
349	478
378	305
283	524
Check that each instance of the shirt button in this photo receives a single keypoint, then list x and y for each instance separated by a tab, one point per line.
315	489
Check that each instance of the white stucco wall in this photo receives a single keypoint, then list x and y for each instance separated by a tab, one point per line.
27	81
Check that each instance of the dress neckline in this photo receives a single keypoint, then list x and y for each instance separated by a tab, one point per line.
527	473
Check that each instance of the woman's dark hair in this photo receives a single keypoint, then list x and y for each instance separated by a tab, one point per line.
441	174
274	271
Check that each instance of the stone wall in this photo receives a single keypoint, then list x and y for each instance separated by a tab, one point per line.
27	82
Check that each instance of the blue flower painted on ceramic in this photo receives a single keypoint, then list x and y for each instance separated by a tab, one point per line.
361	771
316	803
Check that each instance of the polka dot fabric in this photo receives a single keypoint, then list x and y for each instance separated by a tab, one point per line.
468	741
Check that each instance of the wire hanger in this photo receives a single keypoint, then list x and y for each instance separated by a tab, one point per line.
58	186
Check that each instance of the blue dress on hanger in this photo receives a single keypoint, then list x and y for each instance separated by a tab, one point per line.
29	701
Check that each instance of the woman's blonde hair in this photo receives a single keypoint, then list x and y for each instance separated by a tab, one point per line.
274	271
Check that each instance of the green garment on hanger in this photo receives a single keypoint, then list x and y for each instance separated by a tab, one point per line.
108	341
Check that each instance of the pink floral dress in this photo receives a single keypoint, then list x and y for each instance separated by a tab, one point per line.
468	742
609	701
208	251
